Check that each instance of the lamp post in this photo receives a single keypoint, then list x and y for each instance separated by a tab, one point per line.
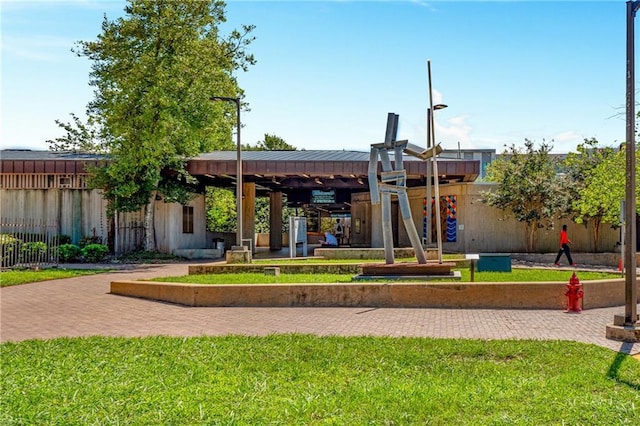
435	167
238	167
430	143
631	296
627	327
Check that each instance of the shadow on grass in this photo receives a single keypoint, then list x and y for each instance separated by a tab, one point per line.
614	369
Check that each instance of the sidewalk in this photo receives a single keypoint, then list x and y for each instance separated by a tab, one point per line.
82	306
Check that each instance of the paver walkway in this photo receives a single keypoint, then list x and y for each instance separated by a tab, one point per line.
82	306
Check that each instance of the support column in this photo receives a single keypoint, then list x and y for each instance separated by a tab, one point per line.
249	212
275	220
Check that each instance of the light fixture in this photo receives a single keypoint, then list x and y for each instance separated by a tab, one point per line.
275	181
318	181
360	181
306	175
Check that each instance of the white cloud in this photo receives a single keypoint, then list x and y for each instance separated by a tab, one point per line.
456	130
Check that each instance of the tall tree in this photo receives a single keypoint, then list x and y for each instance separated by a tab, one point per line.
528	187
604	187
594	181
154	72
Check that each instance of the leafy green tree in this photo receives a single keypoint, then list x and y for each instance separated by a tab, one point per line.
604	187
270	143
528	187
592	194
154	71
221	208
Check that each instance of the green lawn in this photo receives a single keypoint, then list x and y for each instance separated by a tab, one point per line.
517	275
9	278
307	380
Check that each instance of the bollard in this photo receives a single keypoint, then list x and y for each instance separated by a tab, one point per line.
574	294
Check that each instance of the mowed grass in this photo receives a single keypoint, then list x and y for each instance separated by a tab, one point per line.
307	380
516	275
9	278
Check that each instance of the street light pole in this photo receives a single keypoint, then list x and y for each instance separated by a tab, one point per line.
630	262
435	170
238	167
430	143
626	327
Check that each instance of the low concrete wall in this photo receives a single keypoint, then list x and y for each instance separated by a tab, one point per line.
199	253
545	295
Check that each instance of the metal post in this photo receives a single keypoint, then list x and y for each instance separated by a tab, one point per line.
435	173
631	296
238	175
428	178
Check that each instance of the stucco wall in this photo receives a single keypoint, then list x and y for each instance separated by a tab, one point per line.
82	213
481	228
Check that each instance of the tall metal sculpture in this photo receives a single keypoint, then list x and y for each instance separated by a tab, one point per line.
393	181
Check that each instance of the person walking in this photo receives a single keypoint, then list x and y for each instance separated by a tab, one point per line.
564	247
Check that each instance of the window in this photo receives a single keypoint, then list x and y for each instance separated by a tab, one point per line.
187	220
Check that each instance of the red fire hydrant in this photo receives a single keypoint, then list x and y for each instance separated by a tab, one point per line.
574	294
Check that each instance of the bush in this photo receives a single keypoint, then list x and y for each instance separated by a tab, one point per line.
69	252
86	241
9	246
94	253
33	252
63	239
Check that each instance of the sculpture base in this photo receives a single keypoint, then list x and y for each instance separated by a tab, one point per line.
408	269
624	332
238	254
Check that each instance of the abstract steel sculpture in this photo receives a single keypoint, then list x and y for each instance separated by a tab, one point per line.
393	181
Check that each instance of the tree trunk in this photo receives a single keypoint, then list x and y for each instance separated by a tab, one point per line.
595	224
149	228
531	229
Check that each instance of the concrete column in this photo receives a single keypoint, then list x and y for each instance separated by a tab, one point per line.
275	220
249	211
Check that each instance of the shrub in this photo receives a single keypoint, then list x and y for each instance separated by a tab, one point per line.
9	246
69	252
94	253
85	241
63	239
33	251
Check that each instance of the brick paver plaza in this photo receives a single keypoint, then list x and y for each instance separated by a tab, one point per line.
82	306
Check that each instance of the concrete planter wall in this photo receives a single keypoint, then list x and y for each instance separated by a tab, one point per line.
547	295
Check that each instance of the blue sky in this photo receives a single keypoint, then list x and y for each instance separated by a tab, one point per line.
328	72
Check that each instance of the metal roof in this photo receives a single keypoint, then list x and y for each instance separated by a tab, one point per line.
270	170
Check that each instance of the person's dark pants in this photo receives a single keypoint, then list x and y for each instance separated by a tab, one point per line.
565	249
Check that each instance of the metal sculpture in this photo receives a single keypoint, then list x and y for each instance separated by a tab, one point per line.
393	179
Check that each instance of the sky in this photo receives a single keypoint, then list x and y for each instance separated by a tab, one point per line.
329	72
